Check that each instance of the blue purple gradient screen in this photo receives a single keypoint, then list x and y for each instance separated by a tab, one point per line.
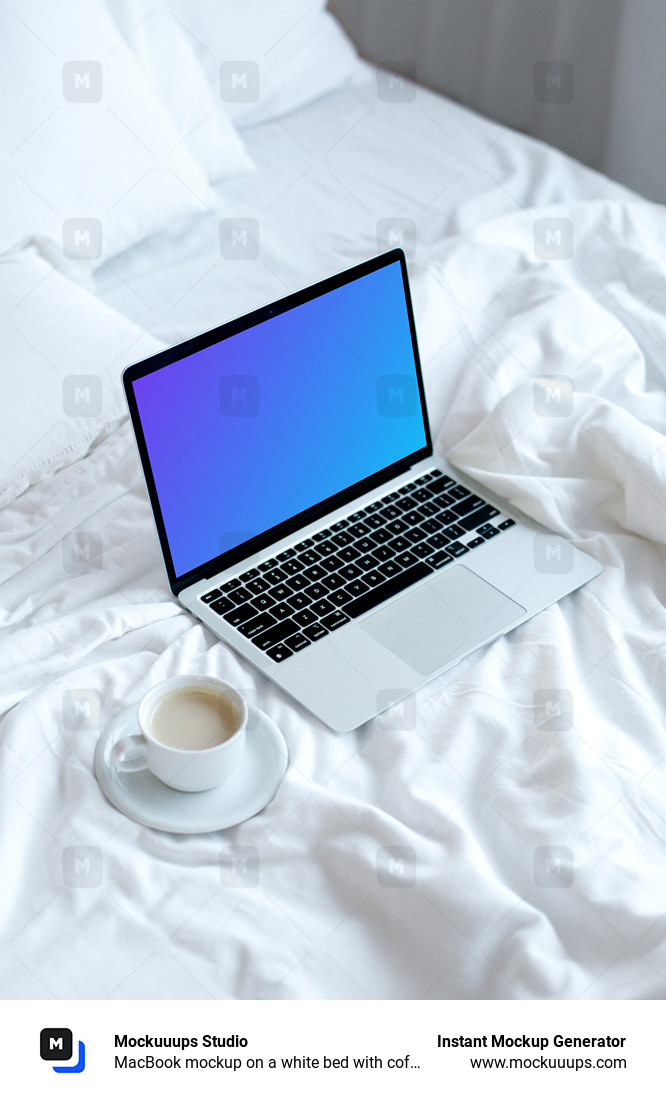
255	429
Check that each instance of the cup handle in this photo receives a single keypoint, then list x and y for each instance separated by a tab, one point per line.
136	760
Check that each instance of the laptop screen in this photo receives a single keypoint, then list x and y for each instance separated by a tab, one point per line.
271	420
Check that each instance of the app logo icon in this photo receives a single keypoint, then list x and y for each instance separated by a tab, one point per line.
56	1044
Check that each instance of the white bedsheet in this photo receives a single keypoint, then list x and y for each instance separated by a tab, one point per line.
455	846
329	179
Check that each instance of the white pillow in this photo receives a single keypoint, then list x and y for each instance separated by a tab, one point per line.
88	155
268	57
61	355
169	61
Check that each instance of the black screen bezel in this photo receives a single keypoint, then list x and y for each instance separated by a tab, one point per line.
231	328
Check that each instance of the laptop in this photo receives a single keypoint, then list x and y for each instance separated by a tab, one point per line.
302	514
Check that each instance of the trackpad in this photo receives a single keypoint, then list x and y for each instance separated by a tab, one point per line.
442	619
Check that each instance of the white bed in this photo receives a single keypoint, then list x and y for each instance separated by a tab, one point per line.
479	841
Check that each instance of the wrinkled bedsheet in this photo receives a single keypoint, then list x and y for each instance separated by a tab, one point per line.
501	834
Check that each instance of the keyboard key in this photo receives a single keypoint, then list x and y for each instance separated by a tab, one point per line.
422	494
415	535
357	588
340	525
373	521
331	562
439	559
475	519
208	597
229	586
336	619
298	600
328	547
320	536
322	607
274	576
349	553
396	526
448	516
350	572
440	484
438	542
222	605
422	550
291	567
281	611
374	577
432	526
297	641
390	513
310	557
365	545
257	625
239	615
285	555
314	573
473	543
280	592
278	633
489	532
305	617
390	568
262	603
400	544
366	562
240	595
391	496
390	588
257	586
454	531
413	518
382	553
249	575
335	581
299	582
306	544
381	535
462	507
358	530
506	523
279	652
317	591
456	549
406	559
315	632
270	563
357	517
428	509
459	492
376	504
340	597
343	538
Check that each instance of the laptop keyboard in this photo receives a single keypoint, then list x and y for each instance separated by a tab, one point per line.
306	592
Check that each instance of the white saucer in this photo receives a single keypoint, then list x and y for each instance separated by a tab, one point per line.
145	799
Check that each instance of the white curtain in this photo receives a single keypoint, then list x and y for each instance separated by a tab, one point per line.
588	76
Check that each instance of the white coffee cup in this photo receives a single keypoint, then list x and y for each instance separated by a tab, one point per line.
192	733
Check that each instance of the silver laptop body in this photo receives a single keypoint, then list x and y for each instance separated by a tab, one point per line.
433	565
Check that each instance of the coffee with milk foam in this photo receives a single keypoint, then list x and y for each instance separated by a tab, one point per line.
193	718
